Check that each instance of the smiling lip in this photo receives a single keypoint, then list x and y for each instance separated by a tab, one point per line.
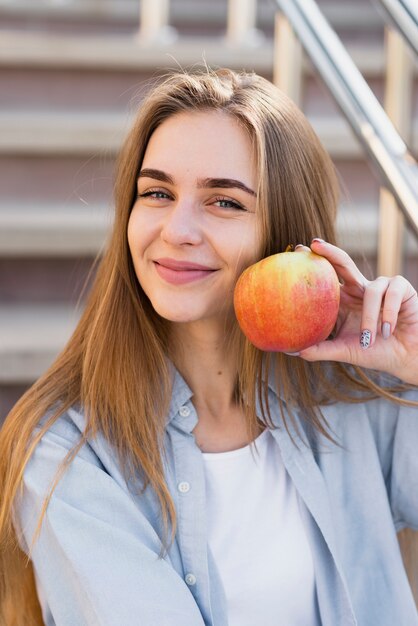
181	272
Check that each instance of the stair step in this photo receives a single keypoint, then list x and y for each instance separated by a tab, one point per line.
19	48
48	132
70	133
360	16
40	49
32	335
81	231
30	338
27	231
43	280
44	179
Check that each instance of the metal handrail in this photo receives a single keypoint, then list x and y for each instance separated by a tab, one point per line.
403	15
359	105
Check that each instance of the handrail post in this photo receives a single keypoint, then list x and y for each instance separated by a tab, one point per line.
241	23
154	16
360	106
398	97
403	16
287	63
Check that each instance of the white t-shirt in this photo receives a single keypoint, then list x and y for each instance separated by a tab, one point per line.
257	537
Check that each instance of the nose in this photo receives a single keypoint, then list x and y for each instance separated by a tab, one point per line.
181	225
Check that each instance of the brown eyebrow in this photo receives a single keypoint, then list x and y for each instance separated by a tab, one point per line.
223	183
157	174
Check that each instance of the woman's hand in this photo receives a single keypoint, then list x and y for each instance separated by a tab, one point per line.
377	324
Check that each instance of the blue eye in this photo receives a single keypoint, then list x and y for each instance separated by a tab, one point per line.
154	194
225	203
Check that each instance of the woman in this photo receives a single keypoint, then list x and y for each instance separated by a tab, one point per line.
127	472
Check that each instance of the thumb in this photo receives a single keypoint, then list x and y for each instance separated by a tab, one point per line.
329	350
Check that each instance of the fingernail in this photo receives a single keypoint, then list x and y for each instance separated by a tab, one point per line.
300	245
292	353
385	330
318	240
365	339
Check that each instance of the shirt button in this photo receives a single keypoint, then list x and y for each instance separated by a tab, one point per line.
184	411
190	579
184	487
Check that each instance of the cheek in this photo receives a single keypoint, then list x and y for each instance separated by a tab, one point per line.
140	233
246	250
131	235
136	235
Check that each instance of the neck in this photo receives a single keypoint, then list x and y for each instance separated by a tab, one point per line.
207	363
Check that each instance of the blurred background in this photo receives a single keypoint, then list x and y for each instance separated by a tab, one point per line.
72	75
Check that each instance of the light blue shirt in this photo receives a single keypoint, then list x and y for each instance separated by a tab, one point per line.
96	559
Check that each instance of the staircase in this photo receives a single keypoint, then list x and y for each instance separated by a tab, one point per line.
72	74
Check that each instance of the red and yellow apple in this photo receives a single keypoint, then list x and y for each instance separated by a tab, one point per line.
288	301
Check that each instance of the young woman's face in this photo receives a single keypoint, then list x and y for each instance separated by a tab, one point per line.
193	229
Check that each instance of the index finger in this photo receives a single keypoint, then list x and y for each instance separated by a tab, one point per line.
341	261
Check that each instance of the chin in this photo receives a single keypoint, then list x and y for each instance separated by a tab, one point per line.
190	309
170	313
179	319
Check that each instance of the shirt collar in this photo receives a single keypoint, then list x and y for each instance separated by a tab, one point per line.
301	466
181	397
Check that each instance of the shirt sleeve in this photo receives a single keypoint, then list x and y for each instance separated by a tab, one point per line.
96	558
404	471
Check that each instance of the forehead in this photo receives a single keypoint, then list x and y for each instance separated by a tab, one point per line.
206	143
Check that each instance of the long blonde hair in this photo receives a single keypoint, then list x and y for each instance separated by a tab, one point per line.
116	365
